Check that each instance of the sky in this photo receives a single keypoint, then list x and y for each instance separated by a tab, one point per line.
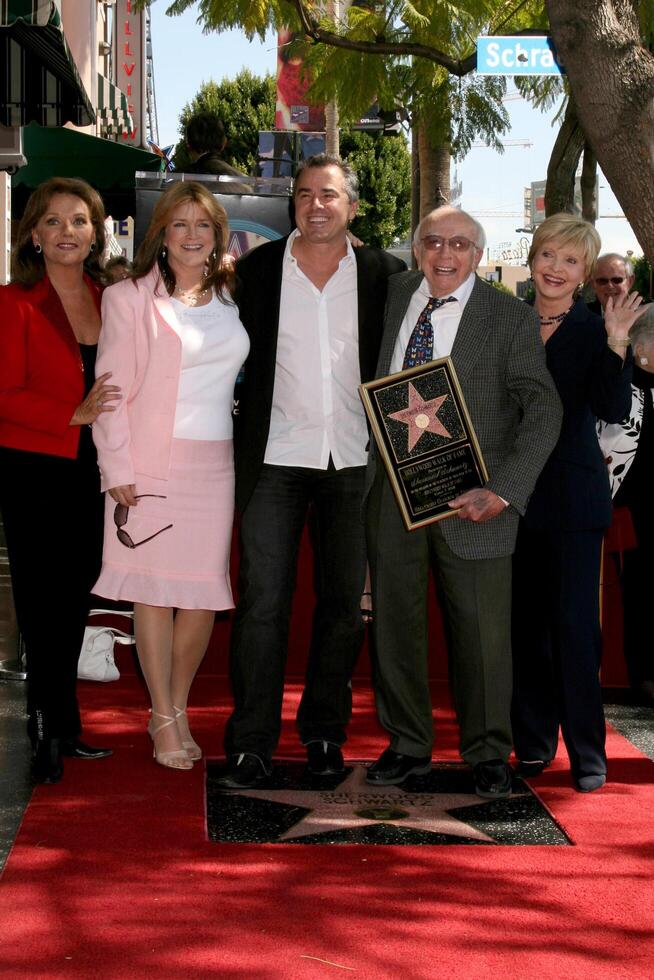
493	183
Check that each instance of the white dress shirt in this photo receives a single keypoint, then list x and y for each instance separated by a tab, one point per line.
316	409
445	321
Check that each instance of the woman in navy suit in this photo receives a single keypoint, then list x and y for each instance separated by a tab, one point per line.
556	627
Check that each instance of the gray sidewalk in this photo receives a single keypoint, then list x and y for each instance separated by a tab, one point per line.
15	781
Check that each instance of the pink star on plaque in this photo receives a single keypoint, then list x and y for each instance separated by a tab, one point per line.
421	416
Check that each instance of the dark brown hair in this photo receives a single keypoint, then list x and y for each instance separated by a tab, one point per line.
27	265
150	252
205	133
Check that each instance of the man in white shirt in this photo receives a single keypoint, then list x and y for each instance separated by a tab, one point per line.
313	308
493	339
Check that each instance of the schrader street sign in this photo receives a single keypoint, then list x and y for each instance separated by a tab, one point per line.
517	56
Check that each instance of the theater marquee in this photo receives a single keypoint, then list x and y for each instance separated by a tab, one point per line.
129	57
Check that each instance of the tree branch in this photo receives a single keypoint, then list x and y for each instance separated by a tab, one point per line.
458	67
319	35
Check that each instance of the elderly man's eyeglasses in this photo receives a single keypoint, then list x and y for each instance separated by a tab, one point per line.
121	513
614	280
435	243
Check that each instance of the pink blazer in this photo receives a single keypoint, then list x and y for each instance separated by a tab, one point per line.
144	354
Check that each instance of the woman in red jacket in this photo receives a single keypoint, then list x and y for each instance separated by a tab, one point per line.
50	488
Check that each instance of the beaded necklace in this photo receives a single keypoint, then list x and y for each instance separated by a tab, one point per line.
547	321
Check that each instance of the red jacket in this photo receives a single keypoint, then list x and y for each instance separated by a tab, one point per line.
41	371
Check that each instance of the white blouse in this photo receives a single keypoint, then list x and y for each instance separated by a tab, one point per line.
214	347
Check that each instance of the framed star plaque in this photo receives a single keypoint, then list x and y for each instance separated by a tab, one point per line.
425	437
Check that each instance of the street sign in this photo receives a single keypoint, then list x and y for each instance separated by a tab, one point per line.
527	55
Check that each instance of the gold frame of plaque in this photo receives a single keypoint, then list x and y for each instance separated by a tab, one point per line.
426	439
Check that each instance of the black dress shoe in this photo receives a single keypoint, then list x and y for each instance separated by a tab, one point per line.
645	693
72	748
243	771
324	758
392	768
529	768
492	779
47	765
591	782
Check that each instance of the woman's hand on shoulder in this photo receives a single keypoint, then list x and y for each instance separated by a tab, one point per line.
125	495
98	400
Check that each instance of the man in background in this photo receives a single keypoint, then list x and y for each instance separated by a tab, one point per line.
613	276
205	142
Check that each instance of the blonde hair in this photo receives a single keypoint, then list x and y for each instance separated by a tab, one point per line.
568	230
150	253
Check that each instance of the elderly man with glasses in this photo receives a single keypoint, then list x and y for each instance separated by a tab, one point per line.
493	339
612	276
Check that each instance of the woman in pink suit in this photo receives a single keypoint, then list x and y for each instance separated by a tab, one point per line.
174	343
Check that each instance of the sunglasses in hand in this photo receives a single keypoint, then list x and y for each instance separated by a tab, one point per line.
121	513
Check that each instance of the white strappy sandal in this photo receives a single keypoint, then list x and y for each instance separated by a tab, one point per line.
174	758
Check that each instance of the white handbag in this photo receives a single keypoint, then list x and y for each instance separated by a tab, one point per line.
96	659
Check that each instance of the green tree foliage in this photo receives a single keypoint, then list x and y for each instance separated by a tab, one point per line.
244	104
410	54
383	165
643	277
502	287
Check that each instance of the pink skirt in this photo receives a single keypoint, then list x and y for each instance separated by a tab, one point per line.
186	566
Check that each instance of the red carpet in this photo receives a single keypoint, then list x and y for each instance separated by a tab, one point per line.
111	876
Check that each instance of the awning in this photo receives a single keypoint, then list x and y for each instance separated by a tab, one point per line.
39	80
107	166
113	110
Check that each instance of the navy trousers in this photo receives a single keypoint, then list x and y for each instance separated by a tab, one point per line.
557	648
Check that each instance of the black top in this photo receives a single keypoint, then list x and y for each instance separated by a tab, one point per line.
212	163
572	492
88	353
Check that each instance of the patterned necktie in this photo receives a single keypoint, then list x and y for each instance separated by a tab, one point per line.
421	342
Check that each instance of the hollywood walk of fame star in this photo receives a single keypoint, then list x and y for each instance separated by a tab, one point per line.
421	416
354	803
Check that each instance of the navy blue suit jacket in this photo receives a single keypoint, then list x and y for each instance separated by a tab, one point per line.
572	493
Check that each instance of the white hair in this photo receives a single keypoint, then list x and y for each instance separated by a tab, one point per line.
480	234
642	331
611	256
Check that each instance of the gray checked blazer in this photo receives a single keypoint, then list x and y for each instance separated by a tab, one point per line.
516	412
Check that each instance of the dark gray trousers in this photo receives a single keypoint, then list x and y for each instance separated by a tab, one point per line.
476	598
